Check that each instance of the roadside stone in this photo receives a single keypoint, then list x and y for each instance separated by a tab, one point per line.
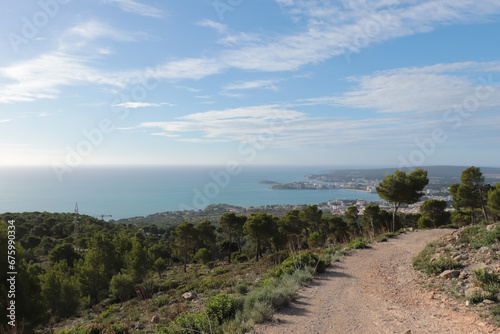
158	294
190	295
449	274
490	228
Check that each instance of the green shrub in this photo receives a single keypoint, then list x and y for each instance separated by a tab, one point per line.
297	262
485	239
241	289
489	282
203	255
188	323
358	243
219	308
241	258
159	302
427	262
384	237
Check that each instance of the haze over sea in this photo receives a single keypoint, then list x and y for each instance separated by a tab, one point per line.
138	191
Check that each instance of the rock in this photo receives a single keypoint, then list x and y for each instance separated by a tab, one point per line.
155	319
139	325
463	275
190	295
490	228
448	274
484	250
158	294
488	302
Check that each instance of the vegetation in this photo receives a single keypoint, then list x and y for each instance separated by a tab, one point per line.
401	188
116	276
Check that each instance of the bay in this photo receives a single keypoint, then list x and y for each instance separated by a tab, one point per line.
138	191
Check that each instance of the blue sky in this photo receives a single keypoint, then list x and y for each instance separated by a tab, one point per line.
298	82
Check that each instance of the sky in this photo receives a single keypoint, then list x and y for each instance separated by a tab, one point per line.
402	83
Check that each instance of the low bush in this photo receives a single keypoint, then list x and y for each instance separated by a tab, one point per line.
489	282
358	243
219	308
485	239
427	261
297	262
241	289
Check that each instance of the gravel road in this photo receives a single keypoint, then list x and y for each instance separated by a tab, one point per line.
375	291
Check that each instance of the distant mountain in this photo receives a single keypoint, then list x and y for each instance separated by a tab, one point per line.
436	174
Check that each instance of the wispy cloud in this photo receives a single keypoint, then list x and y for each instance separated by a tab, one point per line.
264	84
217	26
275	126
137	8
423	89
135	105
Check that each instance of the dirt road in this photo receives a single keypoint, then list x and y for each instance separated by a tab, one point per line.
374	291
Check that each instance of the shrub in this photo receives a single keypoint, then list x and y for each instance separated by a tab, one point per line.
489	282
188	323
485	239
241	289
203	255
122	286
241	258
358	243
219	308
297	262
428	263
384	237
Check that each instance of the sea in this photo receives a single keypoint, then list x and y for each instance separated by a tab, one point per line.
123	192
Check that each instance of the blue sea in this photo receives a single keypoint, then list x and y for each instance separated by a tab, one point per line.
138	191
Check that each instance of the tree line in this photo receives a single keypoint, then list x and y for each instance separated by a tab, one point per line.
61	271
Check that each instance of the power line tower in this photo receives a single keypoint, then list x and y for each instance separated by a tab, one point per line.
76	220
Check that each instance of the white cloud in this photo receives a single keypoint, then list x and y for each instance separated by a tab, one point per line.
137	8
350	27
188	68
135	105
265	84
276	126
425	89
219	27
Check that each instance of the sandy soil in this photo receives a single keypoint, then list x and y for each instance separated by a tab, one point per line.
375	291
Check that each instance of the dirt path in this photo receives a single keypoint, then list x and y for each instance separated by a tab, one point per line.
374	291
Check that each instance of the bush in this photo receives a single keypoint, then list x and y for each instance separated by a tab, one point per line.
485	239
298	262
384	237
219	308
358	243
241	258
122	286
203	255
489	282
428	263
241	289
188	323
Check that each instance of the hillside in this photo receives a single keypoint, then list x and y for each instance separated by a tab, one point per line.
436	174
